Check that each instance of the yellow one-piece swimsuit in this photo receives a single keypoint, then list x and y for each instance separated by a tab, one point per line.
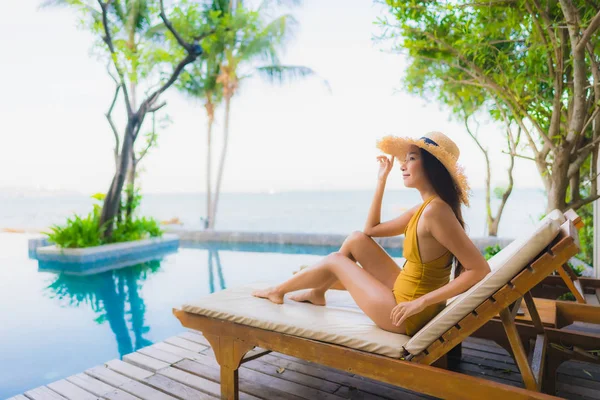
418	278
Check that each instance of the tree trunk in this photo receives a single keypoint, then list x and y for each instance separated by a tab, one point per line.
130	187
559	181
488	197
221	163
211	120
112	201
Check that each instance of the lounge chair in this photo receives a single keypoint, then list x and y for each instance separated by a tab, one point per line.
344	338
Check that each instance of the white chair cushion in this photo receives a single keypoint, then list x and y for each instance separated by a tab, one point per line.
505	265
340	322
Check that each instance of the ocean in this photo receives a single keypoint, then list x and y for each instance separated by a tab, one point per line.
308	212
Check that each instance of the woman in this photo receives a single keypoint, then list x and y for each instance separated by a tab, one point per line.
403	300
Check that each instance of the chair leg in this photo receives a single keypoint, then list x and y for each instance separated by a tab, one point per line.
229	352
518	350
554	358
229	383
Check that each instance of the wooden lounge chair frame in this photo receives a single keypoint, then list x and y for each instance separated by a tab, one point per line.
566	281
564	343
231	341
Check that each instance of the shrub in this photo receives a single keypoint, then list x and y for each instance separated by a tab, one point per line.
87	232
491	251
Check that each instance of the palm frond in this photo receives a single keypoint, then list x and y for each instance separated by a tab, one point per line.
78	4
284	73
267	4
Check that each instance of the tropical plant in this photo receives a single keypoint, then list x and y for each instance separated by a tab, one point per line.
534	61
491	251
136	51
87	231
493	221
248	44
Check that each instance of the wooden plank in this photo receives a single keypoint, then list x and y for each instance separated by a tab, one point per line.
185	344
118	394
583	370
353	393
578	390
194	381
363	384
195	337
199	382
293	376
324	369
128	370
538	359
70	391
160	355
505	361
477	372
90	384
143	361
491	365
144	392
18	397
183	353
498	350
581	382
127	384
176	389
504	375
209	368
43	393
108	376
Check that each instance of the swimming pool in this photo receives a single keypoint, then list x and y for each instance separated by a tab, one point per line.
55	325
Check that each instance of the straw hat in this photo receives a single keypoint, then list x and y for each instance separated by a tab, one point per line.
440	146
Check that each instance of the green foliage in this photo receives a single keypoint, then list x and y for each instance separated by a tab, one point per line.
566	297
586	234
578	270
245	42
86	231
491	251
511	59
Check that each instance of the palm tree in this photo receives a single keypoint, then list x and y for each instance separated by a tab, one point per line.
119	25
201	83
248	41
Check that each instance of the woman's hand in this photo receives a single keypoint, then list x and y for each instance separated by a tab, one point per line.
405	309
385	166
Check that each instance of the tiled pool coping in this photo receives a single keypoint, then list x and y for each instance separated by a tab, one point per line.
309	239
99	258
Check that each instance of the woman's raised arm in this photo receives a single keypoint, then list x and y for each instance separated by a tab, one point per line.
394	227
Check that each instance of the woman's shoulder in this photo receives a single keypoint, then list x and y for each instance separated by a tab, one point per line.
438	210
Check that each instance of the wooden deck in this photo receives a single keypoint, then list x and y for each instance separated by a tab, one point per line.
183	367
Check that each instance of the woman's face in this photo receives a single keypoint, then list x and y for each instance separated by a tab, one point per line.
413	173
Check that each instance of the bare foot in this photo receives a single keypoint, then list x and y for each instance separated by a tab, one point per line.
312	296
271	294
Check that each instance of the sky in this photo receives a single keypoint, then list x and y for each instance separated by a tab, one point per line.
297	136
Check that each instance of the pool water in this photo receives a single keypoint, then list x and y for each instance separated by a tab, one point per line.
55	325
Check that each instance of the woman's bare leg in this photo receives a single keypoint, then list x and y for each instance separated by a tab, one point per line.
363	249
372	296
